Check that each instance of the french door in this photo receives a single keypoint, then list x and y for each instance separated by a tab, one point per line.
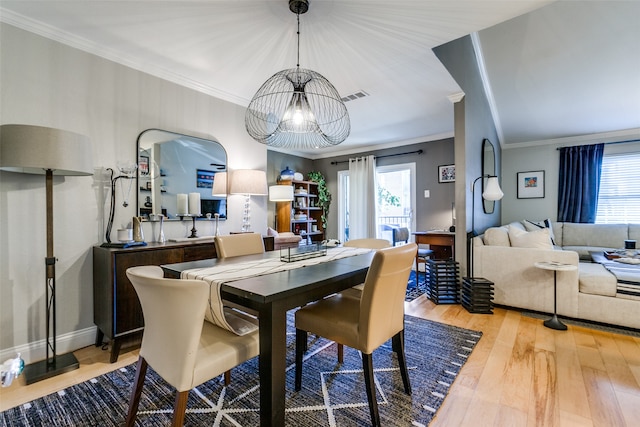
395	200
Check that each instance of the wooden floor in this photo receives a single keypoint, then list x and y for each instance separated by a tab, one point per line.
519	374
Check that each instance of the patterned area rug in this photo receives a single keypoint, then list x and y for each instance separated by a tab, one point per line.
413	290
331	395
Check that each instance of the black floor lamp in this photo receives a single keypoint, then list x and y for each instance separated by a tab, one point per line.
42	150
492	192
477	292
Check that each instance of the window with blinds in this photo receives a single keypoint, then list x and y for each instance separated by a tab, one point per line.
619	198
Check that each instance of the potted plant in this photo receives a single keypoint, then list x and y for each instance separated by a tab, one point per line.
324	196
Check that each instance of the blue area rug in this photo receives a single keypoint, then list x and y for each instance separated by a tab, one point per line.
414	291
332	394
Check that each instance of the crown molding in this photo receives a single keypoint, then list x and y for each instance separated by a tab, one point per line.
455	97
55	34
486	85
593	138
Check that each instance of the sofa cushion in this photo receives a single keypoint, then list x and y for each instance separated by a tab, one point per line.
537	225
595	235
596	280
496	236
533	239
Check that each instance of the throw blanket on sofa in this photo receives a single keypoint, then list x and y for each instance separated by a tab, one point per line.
237	322
628	276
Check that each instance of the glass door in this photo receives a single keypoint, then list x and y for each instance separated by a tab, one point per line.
395	200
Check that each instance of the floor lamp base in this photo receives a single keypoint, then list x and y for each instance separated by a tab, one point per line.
42	370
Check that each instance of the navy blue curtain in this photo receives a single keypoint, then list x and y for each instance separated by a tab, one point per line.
579	183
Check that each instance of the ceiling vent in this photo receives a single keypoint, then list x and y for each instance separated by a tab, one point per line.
354	96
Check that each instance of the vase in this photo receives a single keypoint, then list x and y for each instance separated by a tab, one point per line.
161	238
138	235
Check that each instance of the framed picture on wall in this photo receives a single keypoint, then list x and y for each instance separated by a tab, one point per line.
447	173
531	185
204	178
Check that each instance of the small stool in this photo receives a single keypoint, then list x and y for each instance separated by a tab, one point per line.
421	258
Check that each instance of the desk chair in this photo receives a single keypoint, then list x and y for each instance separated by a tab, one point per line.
421	258
400	234
364	323
177	342
239	244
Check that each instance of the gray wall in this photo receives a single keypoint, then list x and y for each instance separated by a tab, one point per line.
473	123
46	83
432	212
277	162
547	159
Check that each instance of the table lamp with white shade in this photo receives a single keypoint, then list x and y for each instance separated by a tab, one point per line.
282	195
248	182
46	151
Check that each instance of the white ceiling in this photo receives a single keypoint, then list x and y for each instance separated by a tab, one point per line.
567	69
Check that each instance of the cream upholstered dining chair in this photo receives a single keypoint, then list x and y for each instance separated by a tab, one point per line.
368	243
239	244
177	342
367	322
356	291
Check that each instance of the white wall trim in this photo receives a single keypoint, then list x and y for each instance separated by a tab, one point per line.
593	138
486	85
36	351
9	17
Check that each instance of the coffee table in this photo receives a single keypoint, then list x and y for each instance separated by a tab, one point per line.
554	322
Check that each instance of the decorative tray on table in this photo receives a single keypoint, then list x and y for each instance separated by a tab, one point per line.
302	252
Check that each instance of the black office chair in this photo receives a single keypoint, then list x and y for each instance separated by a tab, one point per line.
400	235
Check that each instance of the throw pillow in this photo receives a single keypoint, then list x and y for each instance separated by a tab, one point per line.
537	225
538	239
496	236
272	232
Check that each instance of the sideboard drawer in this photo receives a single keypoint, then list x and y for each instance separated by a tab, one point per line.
203	251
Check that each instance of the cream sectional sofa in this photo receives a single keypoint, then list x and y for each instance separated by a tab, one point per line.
506	256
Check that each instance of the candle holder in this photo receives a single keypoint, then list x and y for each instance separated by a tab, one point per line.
217	218
194	231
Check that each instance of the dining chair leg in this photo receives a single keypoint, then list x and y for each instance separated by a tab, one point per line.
301	341
398	346
227	378
367	366
136	392
340	352
179	408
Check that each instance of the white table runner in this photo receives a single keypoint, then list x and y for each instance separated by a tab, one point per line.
237	322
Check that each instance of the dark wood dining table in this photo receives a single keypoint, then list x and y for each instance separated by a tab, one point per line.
272	295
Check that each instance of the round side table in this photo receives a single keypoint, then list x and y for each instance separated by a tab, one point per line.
554	322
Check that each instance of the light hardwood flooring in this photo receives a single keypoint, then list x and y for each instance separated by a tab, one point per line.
519	374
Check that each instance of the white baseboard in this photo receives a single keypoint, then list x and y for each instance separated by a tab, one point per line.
36	351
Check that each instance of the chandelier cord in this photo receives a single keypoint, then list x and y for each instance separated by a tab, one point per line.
298	61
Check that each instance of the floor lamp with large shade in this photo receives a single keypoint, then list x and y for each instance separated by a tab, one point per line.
46	151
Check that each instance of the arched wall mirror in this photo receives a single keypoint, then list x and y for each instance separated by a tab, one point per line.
488	168
172	164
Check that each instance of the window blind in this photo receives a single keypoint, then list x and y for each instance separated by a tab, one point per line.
619	197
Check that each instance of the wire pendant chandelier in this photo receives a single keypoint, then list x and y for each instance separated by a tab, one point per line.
297	108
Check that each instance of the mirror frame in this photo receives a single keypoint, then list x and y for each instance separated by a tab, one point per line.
488	168
141	145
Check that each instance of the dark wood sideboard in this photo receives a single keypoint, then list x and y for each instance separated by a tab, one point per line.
116	309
